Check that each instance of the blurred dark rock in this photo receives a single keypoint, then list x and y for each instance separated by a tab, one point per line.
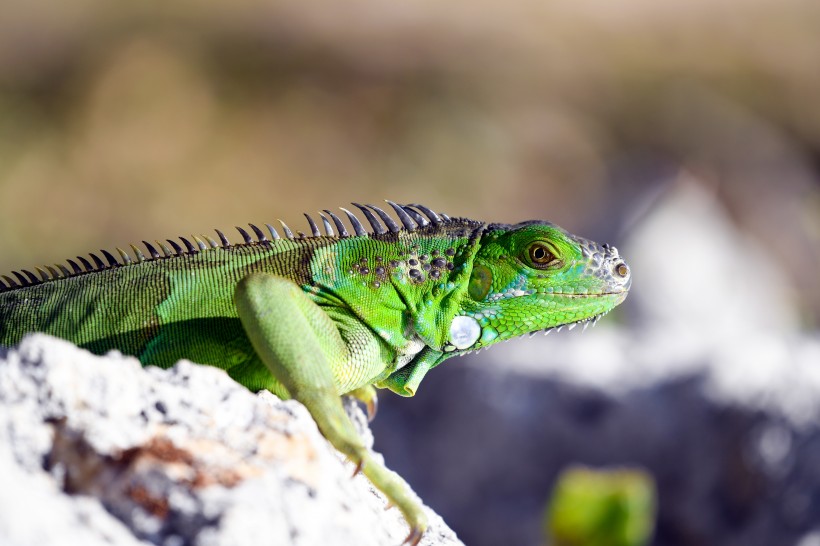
726	474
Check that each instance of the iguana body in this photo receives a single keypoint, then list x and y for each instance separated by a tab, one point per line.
314	317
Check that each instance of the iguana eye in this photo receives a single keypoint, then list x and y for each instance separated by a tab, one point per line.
540	255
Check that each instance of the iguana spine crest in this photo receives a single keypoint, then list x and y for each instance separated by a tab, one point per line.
412	217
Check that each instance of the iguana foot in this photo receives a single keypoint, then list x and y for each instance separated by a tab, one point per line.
398	495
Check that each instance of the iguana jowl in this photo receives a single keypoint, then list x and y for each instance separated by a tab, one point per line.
316	316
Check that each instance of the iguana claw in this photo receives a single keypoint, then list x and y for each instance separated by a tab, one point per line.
372	406
358	469
367	395
414	537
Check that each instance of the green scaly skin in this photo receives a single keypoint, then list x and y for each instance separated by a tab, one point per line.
315	317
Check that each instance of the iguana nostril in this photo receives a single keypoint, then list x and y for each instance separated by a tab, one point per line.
622	269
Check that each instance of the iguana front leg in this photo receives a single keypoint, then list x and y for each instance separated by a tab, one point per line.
317	354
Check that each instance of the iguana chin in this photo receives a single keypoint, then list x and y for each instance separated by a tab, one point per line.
316	316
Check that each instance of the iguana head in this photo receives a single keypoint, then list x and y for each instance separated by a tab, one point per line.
535	276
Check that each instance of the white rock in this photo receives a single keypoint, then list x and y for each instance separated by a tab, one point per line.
96	450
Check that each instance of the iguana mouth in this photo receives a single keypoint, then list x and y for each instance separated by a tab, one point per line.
591	321
586	295
498	297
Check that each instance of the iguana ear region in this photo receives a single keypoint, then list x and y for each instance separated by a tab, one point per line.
481	280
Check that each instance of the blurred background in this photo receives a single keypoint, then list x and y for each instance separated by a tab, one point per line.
687	133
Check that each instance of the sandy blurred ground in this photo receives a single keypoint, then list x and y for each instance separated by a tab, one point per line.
121	122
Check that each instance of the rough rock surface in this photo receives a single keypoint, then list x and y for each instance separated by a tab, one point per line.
97	450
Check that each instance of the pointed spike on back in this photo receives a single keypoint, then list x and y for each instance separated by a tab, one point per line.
54	273
98	263
416	216
389	222
200	244
434	218
3	286
20	278
165	250
177	249
288	232
377	227
314	229
43	275
75	267
64	270
211	242
126	259
10	281
151	250
358	228
112	261
224	240
138	253
274	235
406	221
328	228
340	227
86	264
247	238
191	248
258	232
31	277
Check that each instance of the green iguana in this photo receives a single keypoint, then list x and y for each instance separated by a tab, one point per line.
315	316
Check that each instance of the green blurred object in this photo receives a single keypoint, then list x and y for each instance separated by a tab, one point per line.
592	507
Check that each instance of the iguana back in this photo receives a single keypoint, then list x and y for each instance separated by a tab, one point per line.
178	302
